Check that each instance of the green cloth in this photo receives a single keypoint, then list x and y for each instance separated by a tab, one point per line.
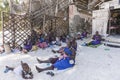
94	46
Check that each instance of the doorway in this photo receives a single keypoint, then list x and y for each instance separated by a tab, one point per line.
114	23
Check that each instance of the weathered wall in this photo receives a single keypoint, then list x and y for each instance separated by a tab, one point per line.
60	26
101	17
19	7
110	4
100	21
78	21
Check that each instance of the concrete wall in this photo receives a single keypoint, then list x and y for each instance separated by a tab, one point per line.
77	20
113	3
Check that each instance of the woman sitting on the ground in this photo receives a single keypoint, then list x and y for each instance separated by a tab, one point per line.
84	34
41	42
2	49
79	36
34	37
66	60
61	50
22	70
50	37
63	38
27	45
58	42
96	39
74	44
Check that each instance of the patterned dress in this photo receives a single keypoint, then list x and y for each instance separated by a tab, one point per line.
64	63
96	40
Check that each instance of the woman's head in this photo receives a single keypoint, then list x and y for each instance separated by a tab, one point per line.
97	33
73	40
69	43
25	42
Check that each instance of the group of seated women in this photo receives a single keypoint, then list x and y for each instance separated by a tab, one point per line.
64	61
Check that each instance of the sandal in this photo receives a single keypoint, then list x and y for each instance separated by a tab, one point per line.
50	73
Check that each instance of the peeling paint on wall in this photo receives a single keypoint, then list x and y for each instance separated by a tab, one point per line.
77	21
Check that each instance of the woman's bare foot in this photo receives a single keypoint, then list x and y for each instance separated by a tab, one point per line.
39	61
39	69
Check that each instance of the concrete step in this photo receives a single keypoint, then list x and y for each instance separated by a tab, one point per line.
113	38
111	44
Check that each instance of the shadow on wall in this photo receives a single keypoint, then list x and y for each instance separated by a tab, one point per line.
80	23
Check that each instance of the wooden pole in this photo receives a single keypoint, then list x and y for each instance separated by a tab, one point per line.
109	22
68	19
30	11
2	18
55	22
51	24
10	5
56	10
44	24
14	29
30	6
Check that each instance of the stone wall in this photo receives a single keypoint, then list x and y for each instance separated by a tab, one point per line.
78	21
